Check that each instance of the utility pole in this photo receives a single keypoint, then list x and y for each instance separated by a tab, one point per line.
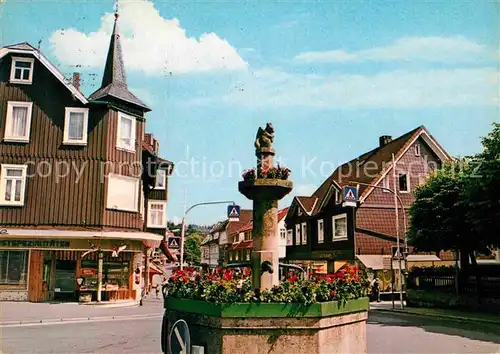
183	228
397	232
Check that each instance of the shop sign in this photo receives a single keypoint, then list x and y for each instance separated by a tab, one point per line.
89	271
35	243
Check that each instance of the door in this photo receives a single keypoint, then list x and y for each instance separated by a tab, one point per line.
65	281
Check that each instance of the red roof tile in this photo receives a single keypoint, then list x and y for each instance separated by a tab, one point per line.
282	213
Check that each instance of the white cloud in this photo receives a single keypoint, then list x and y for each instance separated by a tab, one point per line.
151	44
393	89
428	49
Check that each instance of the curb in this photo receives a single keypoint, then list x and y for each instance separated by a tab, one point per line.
441	316
77	319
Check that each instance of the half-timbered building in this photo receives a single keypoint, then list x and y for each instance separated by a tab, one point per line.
322	234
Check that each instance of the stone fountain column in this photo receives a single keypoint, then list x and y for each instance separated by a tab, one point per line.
265	194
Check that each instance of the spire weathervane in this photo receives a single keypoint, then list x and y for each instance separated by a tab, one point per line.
117	8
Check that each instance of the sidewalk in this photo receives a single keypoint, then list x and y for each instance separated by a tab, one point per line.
457	315
28	312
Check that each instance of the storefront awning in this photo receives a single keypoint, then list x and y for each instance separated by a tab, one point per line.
77	234
379	262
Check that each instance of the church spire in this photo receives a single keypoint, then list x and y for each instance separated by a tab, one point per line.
114	80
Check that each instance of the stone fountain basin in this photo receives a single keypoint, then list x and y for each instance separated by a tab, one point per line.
265	188
273	328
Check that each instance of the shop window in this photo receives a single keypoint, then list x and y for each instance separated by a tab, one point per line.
13	267
339	227
289	237
248	255
115	275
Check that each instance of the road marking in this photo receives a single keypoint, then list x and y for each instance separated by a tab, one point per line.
86	320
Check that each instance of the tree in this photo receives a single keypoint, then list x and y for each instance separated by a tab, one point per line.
482	191
459	206
192	248
438	216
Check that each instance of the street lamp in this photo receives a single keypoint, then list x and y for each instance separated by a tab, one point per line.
397	199
183	227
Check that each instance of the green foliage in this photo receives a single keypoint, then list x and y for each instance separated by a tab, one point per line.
459	206
228	286
192	248
442	270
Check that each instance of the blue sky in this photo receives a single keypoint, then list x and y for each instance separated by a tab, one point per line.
332	76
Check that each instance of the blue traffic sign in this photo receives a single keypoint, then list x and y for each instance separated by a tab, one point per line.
179	339
350	196
233	212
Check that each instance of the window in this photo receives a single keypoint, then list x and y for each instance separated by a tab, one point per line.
123	193
338	197
283	234
417	149
13	184
126	132
297	234
18	123
321	237
248	255
14	268
289	237
161	177
304	233
22	70
156	214
75	126
404	183
386	184
339	223
299	212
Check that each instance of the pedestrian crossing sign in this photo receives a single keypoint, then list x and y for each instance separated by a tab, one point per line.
233	212
350	196
173	243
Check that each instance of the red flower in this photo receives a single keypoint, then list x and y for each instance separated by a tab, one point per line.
293	279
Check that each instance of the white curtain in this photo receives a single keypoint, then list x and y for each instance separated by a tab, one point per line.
19	117
75	126
126	132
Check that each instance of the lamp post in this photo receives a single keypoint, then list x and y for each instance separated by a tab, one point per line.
397	199
183	227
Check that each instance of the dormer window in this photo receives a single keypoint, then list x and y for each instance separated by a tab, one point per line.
22	70
299	213
18	122
126	132
75	126
161	178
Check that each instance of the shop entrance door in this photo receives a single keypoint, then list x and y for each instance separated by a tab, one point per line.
65	281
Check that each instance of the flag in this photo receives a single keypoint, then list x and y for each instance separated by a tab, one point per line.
166	251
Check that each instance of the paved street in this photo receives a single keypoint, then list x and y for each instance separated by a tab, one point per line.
387	333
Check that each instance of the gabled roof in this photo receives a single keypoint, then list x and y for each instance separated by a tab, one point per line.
282	214
380	160
114	80
26	48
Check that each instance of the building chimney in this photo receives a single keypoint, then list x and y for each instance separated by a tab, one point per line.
76	80
384	140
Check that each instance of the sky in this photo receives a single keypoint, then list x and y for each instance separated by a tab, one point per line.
332	76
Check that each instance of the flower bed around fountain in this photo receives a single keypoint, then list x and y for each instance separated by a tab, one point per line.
225	314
